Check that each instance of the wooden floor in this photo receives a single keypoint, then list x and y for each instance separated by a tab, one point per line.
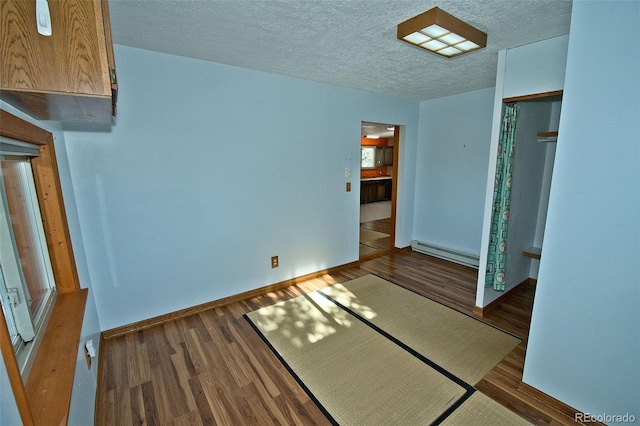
380	225
212	367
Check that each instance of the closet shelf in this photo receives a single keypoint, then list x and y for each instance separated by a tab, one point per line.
533	252
547	136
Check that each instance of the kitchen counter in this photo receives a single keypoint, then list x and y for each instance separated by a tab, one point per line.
376	178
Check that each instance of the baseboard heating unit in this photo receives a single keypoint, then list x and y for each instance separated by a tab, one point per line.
451	255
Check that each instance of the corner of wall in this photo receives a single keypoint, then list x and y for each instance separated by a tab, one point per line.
84	390
484	295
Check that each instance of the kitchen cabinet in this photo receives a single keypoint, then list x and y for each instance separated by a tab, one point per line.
367	192
384	156
67	76
374	190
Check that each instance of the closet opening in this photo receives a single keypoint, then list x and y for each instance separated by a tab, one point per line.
524	170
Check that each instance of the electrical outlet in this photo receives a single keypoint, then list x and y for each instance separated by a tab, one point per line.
87	358
89	352
274	262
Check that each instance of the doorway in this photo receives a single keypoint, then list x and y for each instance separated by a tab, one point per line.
379	145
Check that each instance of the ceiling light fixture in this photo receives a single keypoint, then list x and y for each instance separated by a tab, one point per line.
437	31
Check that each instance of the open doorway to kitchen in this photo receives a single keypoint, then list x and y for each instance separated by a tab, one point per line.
379	144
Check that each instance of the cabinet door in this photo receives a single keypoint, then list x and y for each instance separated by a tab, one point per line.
388	187
379	157
367	192
65	76
388	156
371	192
380	190
111	60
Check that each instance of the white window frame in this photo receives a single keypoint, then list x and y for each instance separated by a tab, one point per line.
27	326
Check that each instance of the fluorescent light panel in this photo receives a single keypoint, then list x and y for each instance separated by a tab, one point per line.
439	32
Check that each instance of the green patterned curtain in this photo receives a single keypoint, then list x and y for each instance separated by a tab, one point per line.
497	258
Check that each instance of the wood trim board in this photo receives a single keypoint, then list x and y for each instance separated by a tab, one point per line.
160	319
533	96
54	219
50	382
18	129
483	311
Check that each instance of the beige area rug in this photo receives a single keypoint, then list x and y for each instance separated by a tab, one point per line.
359	374
479	409
369	235
460	344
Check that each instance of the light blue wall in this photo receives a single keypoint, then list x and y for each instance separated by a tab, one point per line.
85	382
9	414
210	170
584	344
536	68
451	168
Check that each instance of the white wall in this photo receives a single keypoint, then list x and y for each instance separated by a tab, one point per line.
545	187
82	406
9	414
85	381
536	68
210	170
531	69
550	156
451	165
584	344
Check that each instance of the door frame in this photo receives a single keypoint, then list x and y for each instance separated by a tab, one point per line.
394	195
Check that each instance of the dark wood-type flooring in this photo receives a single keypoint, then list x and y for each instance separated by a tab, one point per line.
212	367
381	225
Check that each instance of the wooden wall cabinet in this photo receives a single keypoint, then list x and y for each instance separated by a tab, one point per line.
384	156
68	76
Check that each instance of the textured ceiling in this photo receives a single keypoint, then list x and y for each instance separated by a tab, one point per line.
376	130
348	43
